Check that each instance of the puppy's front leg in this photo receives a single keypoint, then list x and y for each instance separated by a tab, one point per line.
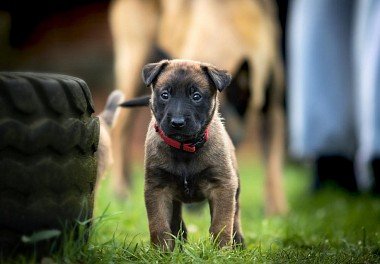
222	207
159	206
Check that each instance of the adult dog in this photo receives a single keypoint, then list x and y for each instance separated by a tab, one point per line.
225	33
189	156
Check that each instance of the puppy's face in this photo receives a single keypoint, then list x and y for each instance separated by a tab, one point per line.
184	95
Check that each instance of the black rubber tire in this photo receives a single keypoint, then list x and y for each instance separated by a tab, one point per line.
48	138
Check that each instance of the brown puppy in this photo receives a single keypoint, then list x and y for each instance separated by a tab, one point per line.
189	156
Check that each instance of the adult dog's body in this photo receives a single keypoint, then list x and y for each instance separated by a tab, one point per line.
225	33
184	109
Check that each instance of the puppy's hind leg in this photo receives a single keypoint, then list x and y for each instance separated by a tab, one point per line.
238	239
177	225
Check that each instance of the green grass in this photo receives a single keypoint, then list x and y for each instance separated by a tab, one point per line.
328	227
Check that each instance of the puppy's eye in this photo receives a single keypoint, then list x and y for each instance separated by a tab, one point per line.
165	95
197	97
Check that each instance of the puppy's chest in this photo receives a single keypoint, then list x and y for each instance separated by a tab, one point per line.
189	186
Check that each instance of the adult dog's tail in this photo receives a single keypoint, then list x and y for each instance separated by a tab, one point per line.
136	102
110	110
106	118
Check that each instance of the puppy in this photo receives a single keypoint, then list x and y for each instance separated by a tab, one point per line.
189	156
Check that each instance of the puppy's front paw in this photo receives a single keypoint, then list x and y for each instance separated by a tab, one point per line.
221	239
162	240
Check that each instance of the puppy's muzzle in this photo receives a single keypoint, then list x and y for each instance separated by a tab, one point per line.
177	122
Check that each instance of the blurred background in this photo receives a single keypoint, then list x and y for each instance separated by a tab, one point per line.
74	38
69	37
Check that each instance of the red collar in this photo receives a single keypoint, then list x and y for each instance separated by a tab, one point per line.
188	147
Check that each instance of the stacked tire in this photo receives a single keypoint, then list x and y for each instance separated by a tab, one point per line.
48	138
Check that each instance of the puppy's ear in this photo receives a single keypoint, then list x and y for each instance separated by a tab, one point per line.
151	71
220	78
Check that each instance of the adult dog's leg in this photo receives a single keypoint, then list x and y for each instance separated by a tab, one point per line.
133	25
275	200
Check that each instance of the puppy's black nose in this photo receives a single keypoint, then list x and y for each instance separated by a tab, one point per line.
177	122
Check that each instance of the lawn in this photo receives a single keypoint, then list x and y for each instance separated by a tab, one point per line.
327	227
